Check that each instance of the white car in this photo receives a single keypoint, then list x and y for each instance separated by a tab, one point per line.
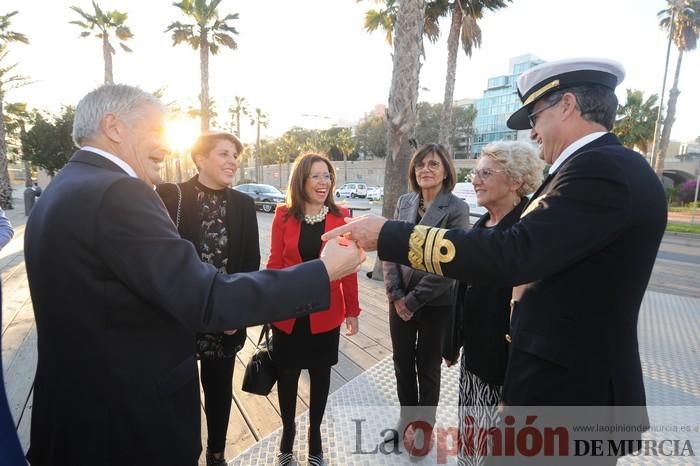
352	190
375	194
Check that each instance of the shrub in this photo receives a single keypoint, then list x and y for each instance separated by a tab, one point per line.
686	192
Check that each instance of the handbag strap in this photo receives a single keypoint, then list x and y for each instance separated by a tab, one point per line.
178	215
266	333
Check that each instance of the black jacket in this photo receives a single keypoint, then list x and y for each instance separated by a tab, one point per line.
483	318
118	298
585	246
241	224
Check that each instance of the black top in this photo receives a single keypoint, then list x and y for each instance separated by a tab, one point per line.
485	318
310	240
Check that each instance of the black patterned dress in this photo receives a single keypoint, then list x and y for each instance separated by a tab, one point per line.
213	247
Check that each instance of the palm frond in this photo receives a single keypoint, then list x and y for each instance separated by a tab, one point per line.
125	47
471	34
118	17
225	40
123	33
89	18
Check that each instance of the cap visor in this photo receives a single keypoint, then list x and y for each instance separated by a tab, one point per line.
519	120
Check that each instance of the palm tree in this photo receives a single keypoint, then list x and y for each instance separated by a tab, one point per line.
259	119
7	82
206	34
464	28
345	143
409	27
236	110
682	20
385	19
16	115
635	120
102	24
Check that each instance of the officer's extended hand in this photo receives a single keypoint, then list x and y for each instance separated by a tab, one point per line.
364	230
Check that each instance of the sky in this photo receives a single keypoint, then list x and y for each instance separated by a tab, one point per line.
310	63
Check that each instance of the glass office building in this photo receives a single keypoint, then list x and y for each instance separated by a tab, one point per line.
499	101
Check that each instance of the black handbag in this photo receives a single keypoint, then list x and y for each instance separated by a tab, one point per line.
261	374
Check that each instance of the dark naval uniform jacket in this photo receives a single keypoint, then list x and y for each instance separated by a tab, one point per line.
585	246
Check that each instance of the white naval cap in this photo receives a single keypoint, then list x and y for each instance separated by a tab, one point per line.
544	79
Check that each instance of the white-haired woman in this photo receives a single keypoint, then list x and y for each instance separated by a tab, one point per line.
505	174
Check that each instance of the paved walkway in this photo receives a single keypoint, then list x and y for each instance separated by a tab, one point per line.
669	332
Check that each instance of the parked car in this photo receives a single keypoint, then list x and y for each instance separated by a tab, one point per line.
266	196
352	190
374	193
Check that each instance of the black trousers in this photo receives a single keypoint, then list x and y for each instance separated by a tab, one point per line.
417	346
217	384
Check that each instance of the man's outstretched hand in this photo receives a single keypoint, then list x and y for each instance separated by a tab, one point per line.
341	257
363	230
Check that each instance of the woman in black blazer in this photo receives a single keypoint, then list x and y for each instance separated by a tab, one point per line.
505	173
222	225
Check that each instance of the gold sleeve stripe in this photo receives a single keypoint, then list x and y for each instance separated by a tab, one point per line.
429	259
415	247
440	257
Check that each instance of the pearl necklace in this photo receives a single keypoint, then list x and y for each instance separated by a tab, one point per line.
319	217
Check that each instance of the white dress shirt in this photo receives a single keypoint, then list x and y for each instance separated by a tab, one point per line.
112	158
573	147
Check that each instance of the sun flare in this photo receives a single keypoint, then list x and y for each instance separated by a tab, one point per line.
181	133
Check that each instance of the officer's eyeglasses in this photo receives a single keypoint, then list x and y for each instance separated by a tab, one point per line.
316	177
532	116
483	174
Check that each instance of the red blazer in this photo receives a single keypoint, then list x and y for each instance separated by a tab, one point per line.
284	252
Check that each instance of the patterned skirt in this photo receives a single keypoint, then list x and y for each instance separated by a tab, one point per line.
478	412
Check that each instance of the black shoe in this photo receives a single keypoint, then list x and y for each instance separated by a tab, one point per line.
215	459
285	459
316	460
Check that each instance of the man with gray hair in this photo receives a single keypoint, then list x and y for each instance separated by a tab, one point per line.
118	297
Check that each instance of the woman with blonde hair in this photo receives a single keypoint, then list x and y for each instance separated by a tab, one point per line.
310	342
505	174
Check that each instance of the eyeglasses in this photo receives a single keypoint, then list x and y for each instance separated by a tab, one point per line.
432	165
316	177
483	174
531	116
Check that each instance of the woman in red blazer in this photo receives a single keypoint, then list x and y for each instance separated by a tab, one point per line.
310	342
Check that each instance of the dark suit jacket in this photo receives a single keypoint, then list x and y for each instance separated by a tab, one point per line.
284	252
118	298
241	224
420	288
586	246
